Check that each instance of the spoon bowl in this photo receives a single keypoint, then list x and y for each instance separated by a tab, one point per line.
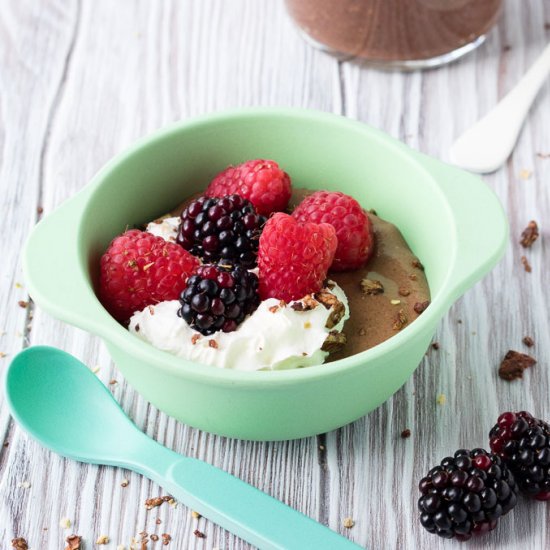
62	404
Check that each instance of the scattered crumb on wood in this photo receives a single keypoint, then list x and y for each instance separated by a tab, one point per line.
23	303
530	234
526	264
528	341
435	345
73	542
525	174
348	523
441	399
199	534
19	544
102	539
64	523
513	365
406	433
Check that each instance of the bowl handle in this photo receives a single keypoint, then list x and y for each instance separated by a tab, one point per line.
481	225
54	273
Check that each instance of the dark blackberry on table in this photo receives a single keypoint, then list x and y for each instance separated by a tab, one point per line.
225	230
219	298
523	442
466	494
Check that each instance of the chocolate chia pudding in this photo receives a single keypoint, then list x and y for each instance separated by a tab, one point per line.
394	30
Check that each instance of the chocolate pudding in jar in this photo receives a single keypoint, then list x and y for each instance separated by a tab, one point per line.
398	33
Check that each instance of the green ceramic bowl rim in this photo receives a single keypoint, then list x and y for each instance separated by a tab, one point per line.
106	327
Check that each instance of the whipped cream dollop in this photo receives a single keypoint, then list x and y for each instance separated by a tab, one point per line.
276	336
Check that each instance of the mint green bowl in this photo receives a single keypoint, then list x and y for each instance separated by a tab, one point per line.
452	221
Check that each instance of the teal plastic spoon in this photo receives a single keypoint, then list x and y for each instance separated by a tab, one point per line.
63	405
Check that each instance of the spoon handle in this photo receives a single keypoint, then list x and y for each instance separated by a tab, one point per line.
237	506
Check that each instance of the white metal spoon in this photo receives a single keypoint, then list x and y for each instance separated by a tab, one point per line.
485	146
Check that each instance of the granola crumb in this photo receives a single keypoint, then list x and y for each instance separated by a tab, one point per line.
348	523
39	209
23	303
166	538
435	345
400	320
420	307
96	369
307	324
195	338
199	534
530	234
403	291
371	286
195	515
416	263
18	285
19	543
441	399
335	341
525	174
124	483
154	537
395	302
73	542
413	277
528	341
212	344
514	363
274	309
362	332
102	539
65	523
153	502
151	310
526	264
406	433
282	303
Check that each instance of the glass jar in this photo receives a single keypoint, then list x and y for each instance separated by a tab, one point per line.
396	33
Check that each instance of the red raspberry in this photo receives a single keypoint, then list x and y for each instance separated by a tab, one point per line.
294	257
139	269
262	182
353	227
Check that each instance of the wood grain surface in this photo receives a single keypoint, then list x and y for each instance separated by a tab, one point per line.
80	80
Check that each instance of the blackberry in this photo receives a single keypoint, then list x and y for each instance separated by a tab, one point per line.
467	493
225	230
218	298
523	442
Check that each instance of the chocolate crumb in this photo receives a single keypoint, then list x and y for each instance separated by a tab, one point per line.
435	345
137	328
24	304
420	307
406	433
19	544
528	341
526	264
371	286
297	306
400	320
158	521
403	291
513	365
212	344
199	534
330	301
73	542
417	264
530	234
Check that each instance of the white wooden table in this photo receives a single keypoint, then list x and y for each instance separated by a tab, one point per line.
80	80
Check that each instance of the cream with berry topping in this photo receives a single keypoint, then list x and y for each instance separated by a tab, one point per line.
276	336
